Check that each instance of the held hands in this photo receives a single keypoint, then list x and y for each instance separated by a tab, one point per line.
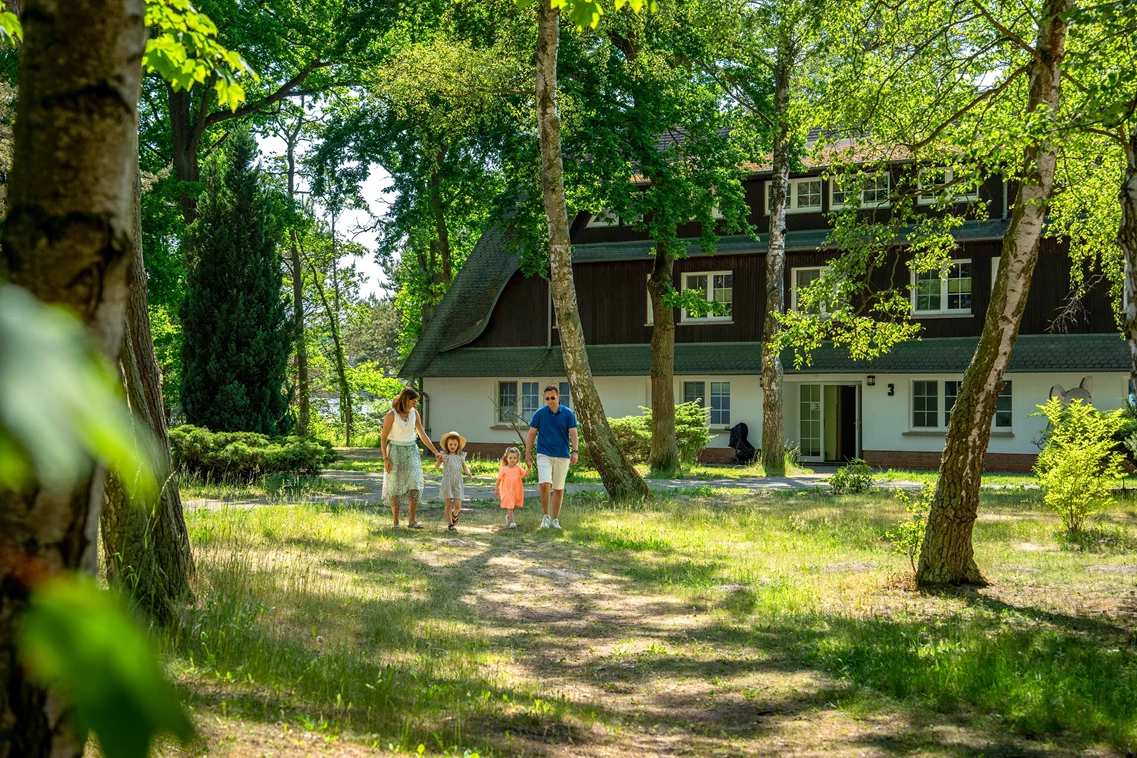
528	459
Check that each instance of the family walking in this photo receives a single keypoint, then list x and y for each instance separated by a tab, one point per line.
553	427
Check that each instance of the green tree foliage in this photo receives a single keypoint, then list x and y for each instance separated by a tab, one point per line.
243	456
1079	464
633	433
907	536
237	336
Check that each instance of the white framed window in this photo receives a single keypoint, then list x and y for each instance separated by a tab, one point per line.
946	291
803	277
506	402
517	401
603	219
803	195
926	404
564	394
929	396
1003	416
933	184
874	192
695	392
720	403
717	287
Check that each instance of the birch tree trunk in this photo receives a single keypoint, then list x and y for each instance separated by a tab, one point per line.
773	431
664	446
947	555
148	553
1127	239
620	479
66	240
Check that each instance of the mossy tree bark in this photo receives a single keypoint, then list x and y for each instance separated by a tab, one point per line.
947	555
67	241
773	429
147	553
664	445
620	479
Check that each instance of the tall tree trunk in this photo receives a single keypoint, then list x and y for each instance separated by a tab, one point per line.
620	479
773	431
441	232
186	129
1127	239
341	363
66	240
664	446
303	387
947	555
147	553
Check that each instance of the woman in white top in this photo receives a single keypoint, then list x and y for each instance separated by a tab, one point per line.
401	462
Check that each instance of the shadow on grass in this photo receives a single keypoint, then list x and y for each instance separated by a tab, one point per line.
400	646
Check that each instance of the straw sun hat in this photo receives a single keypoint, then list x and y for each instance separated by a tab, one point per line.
448	435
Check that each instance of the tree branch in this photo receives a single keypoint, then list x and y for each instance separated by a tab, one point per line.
1006	32
282	92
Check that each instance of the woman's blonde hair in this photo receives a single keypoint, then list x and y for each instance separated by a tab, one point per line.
403	399
505	455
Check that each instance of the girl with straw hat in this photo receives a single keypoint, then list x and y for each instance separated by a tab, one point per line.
453	464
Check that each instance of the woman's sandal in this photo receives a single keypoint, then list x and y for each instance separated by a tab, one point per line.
416	525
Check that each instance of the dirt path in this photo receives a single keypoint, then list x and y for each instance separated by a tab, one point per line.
667	679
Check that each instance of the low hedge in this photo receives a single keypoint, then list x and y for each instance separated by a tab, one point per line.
244	456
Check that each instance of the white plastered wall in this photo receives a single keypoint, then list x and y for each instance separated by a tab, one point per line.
467	405
886	421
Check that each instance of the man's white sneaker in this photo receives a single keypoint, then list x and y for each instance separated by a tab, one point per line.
546	522
556	523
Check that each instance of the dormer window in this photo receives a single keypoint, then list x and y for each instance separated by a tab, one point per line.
602	220
933	184
804	195
874	193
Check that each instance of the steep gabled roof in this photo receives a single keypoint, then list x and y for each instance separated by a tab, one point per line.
466	307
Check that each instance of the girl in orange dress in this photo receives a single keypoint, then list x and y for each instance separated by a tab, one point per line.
509	487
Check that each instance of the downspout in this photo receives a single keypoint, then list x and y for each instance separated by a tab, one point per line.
1006	210
548	315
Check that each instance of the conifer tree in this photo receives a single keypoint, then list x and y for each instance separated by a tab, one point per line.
235	318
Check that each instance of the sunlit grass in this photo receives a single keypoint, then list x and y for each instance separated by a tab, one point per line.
274	486
324	618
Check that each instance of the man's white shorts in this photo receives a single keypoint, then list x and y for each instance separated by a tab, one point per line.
552	470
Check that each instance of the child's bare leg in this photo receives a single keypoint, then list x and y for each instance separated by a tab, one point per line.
395	506
412	500
457	507
449	507
509	515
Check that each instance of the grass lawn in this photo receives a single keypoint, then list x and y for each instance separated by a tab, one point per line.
277	487
990	479
710	624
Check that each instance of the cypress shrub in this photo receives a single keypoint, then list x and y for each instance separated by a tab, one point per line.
237	334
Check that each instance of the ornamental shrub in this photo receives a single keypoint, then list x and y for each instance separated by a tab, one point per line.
1079	462
633	434
854	478
244	456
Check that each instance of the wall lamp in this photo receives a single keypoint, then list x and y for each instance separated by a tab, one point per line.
872	380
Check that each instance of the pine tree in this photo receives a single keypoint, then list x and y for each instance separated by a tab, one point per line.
235	318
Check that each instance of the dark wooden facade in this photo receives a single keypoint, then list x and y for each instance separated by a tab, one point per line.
613	300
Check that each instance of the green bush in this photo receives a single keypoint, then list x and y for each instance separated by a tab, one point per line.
244	456
1079	463
908	535
633	434
853	478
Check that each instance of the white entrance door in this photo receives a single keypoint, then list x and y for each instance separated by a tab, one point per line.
811	422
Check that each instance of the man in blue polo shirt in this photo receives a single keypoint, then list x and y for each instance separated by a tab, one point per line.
554	428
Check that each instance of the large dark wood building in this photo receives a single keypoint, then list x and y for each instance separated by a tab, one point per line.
493	344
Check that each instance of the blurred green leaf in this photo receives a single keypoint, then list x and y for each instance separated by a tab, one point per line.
184	51
78	638
10	27
60	404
